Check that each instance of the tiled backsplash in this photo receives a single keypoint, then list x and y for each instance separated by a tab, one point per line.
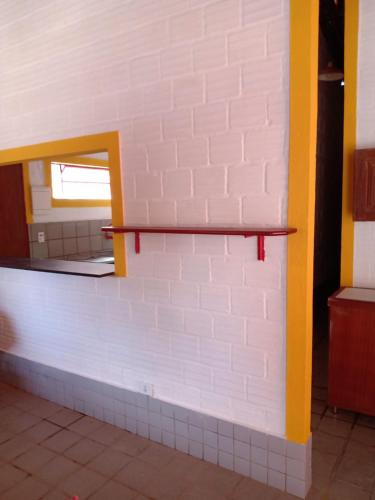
69	240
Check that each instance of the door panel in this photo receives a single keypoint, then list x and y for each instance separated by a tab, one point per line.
14	240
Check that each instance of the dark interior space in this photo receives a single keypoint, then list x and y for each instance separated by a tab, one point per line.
328	177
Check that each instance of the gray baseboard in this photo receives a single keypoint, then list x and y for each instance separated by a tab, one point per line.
269	459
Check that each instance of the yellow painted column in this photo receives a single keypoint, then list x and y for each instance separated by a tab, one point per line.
304	35
349	144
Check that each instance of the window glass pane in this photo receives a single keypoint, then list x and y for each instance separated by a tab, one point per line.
83	183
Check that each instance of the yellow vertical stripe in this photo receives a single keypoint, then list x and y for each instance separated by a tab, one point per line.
304	35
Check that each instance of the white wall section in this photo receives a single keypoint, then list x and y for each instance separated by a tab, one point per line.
199	92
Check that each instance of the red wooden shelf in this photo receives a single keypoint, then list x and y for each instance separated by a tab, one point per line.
246	232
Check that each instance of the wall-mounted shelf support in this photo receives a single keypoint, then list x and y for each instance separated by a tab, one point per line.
246	232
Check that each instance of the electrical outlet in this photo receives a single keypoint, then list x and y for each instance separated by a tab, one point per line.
148	389
41	237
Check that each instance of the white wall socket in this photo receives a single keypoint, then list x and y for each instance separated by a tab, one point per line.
41	237
148	389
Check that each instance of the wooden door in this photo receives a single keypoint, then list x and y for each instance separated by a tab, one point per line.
14	239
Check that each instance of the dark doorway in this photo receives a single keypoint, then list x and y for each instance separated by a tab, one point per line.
14	240
327	247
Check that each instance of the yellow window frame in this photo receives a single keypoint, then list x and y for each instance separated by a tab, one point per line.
108	141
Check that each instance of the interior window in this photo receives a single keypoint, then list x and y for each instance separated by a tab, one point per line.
80	182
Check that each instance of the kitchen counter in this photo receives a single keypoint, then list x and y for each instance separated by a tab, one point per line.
77	268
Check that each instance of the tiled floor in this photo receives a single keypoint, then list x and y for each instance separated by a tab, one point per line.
343	456
49	452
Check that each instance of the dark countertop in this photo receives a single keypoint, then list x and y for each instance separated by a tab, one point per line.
76	268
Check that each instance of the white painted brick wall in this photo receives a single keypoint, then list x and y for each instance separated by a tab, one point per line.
198	90
364	232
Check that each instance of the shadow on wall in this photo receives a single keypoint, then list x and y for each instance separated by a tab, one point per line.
8	340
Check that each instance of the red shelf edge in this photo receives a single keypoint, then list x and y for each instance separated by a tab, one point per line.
246	232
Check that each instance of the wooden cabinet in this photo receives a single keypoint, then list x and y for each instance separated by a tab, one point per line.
364	185
352	350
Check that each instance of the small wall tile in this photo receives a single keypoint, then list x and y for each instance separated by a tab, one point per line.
242	433
259	439
195	449
182	444
242	450
225	428
259	456
155	434
276	480
226	460
210	454
276	462
242	466
258	473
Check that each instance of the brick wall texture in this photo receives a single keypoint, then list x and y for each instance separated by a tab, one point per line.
198	90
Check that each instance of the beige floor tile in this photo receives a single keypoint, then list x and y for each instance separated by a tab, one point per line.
346	416
131	444
9	476
83	483
358	466
57	470
65	417
341	490
62	441
15	447
34	459
315	421
114	490
167	485
42	431
318	406
328	443
22	422
44	409
218	480
84	451
196	493
106	434
8	414
85	425
30	489
364	435
57	495
137	475
157	455
247	489
322	468
315	494
109	462
25	401
5	435
335	427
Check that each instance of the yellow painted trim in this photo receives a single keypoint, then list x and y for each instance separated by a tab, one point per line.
65	203
55	203
304	34
349	142
81	160
108	141
27	192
